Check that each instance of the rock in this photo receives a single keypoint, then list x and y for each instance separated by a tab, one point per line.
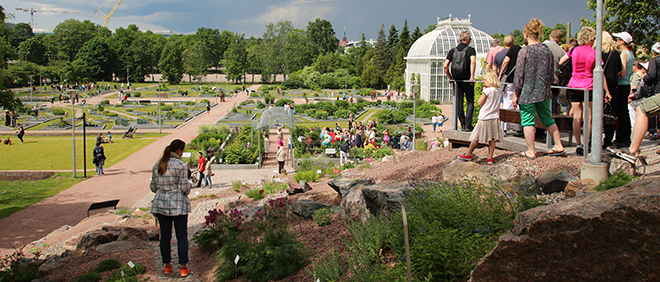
580	187
608	236
116	246
353	204
435	149
95	238
51	263
552	181
153	236
387	159
129	232
306	208
460	170
293	189
617	164
305	186
343	185
526	182
384	199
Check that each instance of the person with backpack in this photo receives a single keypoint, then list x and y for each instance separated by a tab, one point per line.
99	158
463	60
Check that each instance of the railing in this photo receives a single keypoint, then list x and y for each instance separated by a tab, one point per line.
548	139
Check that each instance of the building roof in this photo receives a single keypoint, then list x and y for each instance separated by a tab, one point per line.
437	43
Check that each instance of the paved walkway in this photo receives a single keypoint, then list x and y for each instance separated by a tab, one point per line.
127	181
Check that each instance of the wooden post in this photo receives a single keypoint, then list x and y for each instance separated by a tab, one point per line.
405	238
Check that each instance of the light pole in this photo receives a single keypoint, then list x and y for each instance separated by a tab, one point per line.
73	131
159	118
25	57
216	87
128	83
31	89
414	83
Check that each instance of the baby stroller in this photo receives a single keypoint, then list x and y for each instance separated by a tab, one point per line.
129	133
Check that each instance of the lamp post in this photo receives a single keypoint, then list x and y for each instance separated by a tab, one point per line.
414	83
25	57
160	121
128	83
216	88
31	89
73	131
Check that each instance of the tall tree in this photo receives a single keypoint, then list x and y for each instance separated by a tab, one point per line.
272	49
236	57
416	34
213	40
322	36
254	62
640	18
392	39
37	50
100	59
7	99
171	61
22	32
70	35
381	52
298	51
404	39
196	60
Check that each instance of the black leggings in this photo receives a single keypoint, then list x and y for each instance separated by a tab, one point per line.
181	229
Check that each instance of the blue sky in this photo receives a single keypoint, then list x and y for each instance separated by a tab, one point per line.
251	16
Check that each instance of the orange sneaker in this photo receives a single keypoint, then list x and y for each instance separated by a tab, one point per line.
185	271
167	269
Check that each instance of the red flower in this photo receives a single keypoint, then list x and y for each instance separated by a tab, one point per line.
369	159
261	191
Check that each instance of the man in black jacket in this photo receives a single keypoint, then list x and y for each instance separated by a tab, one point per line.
463	60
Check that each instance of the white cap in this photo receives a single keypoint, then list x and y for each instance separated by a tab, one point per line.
645	65
656	47
626	37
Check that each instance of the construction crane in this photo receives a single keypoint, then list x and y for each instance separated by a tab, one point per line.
107	17
32	11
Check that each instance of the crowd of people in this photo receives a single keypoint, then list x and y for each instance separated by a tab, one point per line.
524	77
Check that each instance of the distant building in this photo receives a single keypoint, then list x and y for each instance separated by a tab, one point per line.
427	56
350	44
343	41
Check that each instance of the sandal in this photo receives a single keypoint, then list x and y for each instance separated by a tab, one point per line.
552	152
524	154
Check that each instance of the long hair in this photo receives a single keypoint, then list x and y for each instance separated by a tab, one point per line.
176	145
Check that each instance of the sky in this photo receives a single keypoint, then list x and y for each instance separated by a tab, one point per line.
251	16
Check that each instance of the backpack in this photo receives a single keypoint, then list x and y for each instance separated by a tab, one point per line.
460	64
566	71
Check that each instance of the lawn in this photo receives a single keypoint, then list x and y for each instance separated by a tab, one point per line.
17	195
54	153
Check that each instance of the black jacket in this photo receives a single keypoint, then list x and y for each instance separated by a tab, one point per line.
653	75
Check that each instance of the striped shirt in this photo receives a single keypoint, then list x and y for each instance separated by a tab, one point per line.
171	188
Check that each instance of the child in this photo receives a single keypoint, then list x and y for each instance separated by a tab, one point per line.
487	129
110	138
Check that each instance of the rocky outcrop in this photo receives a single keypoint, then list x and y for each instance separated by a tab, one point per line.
306	208
384	199
608	236
343	185
297	188
353	204
553	181
461	170
95	238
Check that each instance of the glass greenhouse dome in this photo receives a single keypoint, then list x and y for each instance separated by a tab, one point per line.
427	56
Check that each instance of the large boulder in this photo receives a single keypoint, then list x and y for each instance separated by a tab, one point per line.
608	236
553	181
306	208
384	199
95	238
580	187
343	185
460	170
128	233
353	204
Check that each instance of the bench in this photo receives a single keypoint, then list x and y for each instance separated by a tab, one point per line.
145	101
100	205
564	123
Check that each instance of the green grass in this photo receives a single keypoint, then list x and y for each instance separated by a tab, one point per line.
17	195
54	153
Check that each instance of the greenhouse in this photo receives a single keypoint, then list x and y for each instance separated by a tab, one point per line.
427	56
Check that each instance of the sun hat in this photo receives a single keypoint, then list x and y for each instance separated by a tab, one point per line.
656	47
626	37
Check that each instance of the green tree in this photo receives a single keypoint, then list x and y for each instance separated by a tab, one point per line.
196	60
381	53
404	39
371	77
298	51
430	28
98	56
322	36
236	57
327	63
217	45
254	60
416	34
392	42
171	61
70	35
640	18
21	32
37	50
272	49
78	71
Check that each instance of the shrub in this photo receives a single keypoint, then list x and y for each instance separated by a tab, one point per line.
310	112
280	102
323	216
267	187
183	92
237	185
105	102
320	115
261	105
341	114
391	116
108	264
180	114
166	108
14	267
110	114
58	112
309	176
128	272
618	179
329	267
205	101
129	110
137	94
89	277
434	102
190	103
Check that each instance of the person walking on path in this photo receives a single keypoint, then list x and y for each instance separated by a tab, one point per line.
169	182
7	118
208	108
201	167
99	157
210	158
463	60
434	121
532	89
21	132
488	129
14	118
266	145
281	158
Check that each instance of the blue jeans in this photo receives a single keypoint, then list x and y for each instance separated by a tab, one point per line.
99	167
181	229
207	179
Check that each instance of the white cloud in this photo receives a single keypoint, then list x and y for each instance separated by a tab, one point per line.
299	12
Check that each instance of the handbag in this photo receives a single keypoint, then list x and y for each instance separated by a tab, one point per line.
505	76
609	116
